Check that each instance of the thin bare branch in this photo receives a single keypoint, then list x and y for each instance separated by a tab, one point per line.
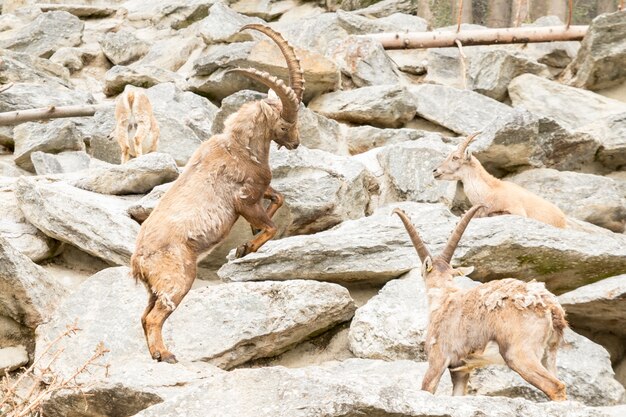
569	13
51	112
5	87
462	57
459	16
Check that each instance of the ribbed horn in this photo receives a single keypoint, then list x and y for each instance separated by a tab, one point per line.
286	94
467	141
420	247
296	75
448	251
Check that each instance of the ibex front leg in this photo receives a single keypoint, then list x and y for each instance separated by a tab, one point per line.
259	218
276	202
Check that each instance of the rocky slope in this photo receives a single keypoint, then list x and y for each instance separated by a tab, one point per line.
327	319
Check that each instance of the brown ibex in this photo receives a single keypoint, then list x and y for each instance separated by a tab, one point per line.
524	319
228	176
498	197
134	115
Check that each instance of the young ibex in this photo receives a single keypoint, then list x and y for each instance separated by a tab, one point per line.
134	115
228	176
498	197
524	319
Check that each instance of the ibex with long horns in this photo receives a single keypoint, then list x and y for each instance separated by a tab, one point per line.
497	196
228	176
524	319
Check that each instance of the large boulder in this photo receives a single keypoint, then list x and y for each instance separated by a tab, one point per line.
572	107
20	233
357	24
29	294
122	48
592	198
144	76
381	105
223	25
392	326
363	138
19	67
138	176
64	162
180	50
29	95
598	307
376	249
53	137
142	208
353	387
97	224
165	14
610	133
47	33
601	60
552	54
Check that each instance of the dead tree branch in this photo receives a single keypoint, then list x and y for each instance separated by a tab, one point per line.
441	39
5	87
52	112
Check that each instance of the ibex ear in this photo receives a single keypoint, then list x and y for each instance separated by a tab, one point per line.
468	155
463	271
427	266
271	94
267	109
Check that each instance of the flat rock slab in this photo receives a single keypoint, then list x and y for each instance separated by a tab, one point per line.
600	306
570	106
340	389
79	10
592	198
97	224
381	106
138	176
61	163
376	249
610	132
30	95
12	358
393	324
28	294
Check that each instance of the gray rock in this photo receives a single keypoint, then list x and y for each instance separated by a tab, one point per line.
572	107
601	60
356	24
146	76
364	62
53	137
266	10
96	224
33	95
20	233
491	71
179	49
223	25
363	138
376	249
70	58
610	132
313	33
142	209
63	162
443	65
320	73
552	54
380	9
9	169
592	198
337	389
165	14
12	358
598	307
79	10
393	324
122	48
231	104
138	176
461	111
382	106
18	67
48	32
29	295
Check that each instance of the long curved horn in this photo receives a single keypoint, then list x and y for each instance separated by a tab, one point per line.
463	145
287	95
420	247
448	251
296	74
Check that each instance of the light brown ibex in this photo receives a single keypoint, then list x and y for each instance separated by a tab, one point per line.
134	115
498	197
524	319
228	176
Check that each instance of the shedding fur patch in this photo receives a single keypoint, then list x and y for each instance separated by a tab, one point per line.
166	299
522	295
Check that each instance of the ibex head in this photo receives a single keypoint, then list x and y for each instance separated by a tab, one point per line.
449	169
437	269
285	109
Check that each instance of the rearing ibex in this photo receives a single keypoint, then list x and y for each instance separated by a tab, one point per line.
228	176
524	319
498	197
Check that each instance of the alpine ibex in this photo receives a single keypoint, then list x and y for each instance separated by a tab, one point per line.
524	319
498	197
134	115
228	176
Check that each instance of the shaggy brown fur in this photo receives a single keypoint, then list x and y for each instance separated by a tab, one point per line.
498	197
228	176
524	319
134	115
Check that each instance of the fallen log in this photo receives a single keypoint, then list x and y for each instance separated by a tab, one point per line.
51	112
443	39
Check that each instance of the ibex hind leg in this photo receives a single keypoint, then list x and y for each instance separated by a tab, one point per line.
529	367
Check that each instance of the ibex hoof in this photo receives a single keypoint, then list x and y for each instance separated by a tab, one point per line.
242	251
165	357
